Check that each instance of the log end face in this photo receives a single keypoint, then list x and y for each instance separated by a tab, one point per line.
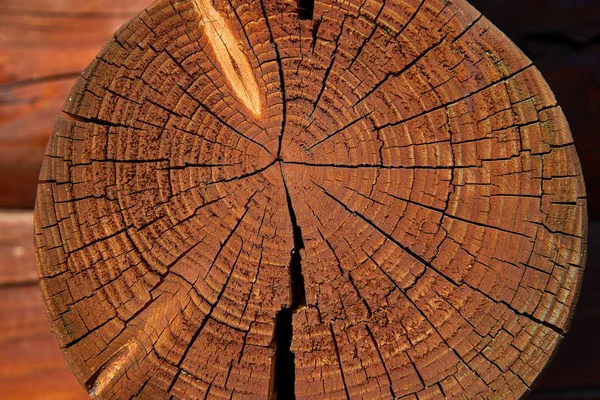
380	209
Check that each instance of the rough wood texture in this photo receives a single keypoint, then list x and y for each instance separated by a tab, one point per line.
29	353
404	216
563	39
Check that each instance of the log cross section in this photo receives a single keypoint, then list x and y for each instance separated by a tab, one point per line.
292	199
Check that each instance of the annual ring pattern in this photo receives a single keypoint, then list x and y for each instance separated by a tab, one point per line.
345	199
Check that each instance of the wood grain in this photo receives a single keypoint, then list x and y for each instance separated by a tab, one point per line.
406	218
17	259
31	365
563	41
44	46
27	346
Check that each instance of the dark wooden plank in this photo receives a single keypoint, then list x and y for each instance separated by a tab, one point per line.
31	363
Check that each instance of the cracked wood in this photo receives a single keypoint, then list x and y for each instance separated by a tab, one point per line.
310	200
230	55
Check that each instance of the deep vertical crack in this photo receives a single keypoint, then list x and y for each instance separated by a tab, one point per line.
283	371
385	368
297	279
306	9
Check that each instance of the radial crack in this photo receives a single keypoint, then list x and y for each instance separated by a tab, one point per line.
281	76
306	9
219	295
339	360
434	196
298	292
283	369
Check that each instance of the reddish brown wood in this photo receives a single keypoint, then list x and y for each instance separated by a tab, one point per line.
563	42
31	366
17	260
44	45
399	212
28	349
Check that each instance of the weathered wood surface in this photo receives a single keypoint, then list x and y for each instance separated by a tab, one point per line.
44	45
563	39
574	373
400	212
561	36
29	352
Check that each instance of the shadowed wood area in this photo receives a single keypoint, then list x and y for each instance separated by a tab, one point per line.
391	206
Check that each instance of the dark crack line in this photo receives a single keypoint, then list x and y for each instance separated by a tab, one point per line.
399	73
95	120
205	320
387	372
281	77
216	302
368	38
141	389
200	103
243	176
451	103
444	214
298	292
414	365
425	318
347	126
161	276
412	17
482	225
427	264
339	360
283	369
378	166
224	123
329	69
444	393
228	238
344	274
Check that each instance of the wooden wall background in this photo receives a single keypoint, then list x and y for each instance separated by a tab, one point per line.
44	44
